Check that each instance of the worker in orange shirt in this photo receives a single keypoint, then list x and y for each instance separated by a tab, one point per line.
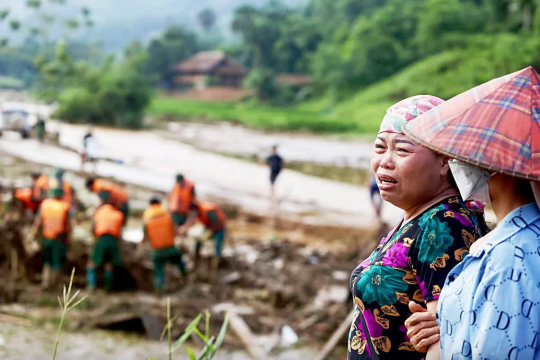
180	199
69	193
23	199
107	229
214	220
53	220
159	229
44	183
119	197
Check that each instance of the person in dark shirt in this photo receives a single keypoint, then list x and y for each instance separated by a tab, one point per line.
275	162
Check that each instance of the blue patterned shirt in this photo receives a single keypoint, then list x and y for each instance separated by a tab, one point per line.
490	305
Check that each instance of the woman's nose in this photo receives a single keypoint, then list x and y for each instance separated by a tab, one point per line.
387	160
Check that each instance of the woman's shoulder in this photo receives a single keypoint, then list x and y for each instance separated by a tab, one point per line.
451	211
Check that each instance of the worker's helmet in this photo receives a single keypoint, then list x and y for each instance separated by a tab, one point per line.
58	173
104	196
56	192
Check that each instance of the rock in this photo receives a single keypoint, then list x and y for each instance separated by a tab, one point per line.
288	336
231	278
233	308
331	294
340	275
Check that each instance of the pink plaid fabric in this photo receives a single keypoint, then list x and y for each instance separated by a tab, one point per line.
405	110
495	125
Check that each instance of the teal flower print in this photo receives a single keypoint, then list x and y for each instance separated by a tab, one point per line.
380	283
430	214
434	240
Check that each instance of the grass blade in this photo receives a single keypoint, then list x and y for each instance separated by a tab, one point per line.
187	333
78	302
201	335
191	354
221	336
208	348
207	313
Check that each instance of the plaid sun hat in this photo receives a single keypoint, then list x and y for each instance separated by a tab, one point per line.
495	126
405	110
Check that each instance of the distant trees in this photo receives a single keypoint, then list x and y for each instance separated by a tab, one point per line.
113	93
207	19
175	45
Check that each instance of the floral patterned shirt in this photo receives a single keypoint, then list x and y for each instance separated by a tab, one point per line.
409	264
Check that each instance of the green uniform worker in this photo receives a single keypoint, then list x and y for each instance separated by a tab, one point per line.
108	222
53	219
160	230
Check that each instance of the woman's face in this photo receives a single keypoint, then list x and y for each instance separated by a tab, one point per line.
407	174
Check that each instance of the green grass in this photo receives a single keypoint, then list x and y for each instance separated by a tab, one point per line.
255	116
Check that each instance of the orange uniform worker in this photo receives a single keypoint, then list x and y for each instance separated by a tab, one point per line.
69	193
54	222
25	196
180	199
44	183
118	195
214	220
107	228
160	230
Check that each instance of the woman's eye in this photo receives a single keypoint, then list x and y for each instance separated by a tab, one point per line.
379	146
403	150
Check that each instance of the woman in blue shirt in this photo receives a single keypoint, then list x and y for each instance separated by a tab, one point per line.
489	307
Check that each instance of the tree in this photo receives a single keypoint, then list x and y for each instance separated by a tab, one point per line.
377	45
536	26
175	45
527	8
442	17
299	39
207	19
261	80
260	30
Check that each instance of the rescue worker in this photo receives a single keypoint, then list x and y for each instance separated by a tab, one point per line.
118	195
159	229
44	183
54	222
41	188
69	192
180	199
25	197
214	220
107	229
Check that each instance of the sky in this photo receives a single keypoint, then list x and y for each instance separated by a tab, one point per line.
118	22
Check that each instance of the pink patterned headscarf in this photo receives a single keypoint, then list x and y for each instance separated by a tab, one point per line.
405	110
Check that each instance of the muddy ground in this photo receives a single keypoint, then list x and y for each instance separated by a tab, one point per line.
275	273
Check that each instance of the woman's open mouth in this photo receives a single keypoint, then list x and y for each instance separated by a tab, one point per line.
386	182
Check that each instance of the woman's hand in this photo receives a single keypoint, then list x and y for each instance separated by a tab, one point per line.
422	327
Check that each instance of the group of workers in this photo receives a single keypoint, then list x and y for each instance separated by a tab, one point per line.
53	204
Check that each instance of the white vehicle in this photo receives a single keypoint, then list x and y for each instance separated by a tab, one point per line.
17	117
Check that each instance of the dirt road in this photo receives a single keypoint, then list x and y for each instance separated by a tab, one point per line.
151	160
